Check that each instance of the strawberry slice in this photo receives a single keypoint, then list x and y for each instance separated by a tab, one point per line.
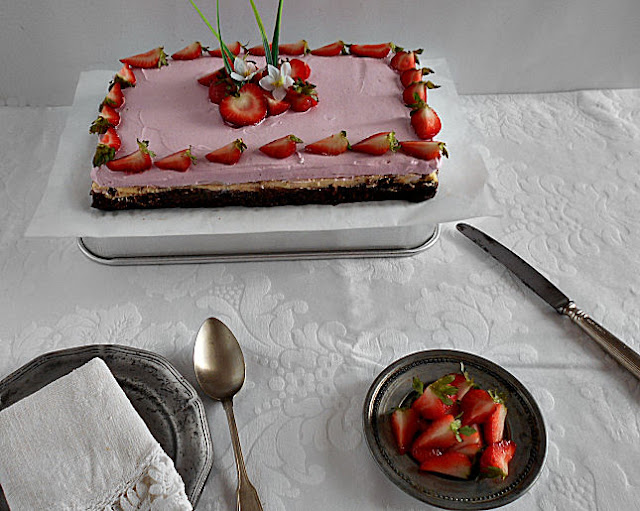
234	48
190	52
302	96
435	401
495	459
220	74
377	144
244	108
424	149
404	60
461	381
179	161
425	120
330	50
299	69
471	441
275	107
453	464
376	51
494	425
442	433
413	75
115	97
404	424
299	48
125	77
417	91
281	147
108	118
133	163
477	405
258	50
330	146
107	148
228	154
149	59
220	89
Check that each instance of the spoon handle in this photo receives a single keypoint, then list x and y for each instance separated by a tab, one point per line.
247	496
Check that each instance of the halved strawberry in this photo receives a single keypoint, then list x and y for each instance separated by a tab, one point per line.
299	69
302	96
330	50
281	147
404	424
275	107
220	89
258	50
471	441
209	78
125	77
330	146
107	148
494	425
190	52
461	380
404	60
495	459
425	120
244	108
435	400
133	163
179	161
108	118
477	405
299	48
377	144
152	58
424	149
234	48
417	91
228	154
376	51
453	464
441	433
413	75
115	97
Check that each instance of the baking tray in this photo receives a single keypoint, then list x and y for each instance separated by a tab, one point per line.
258	247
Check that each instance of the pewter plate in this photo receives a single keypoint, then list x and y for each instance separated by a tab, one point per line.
524	425
165	400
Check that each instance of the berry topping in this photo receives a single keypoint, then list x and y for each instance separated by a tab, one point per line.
424	149
275	107
404	60
221	88
425	120
228	154
299	48
133	163
413	75
417	91
299	69
115	97
257	50
193	51
330	50
125	77
377	144
302	96
152	58
108	118
245	107
207	79
330	146
376	51
179	161
281	147
234	48
107	148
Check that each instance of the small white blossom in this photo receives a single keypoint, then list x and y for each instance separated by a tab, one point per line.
277	81
243	70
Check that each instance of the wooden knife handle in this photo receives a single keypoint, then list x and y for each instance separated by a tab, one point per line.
623	354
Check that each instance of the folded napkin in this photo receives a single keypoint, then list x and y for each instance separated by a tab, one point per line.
78	444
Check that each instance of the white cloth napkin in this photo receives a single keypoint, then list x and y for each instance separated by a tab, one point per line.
78	444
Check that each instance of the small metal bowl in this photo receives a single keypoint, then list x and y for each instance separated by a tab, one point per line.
525	426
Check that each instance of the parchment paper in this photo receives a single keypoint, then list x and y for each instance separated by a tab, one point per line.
65	207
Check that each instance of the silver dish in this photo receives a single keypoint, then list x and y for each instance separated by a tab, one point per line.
525	426
165	400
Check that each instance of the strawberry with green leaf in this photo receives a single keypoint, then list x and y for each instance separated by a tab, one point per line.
125	77
179	161
281	147
413	75
425	120
229	154
115	97
133	163
404	60
150	59
330	50
424	149
435	400
107	147
377	144
108	118
417	91
302	96
494	462
330	146
477	405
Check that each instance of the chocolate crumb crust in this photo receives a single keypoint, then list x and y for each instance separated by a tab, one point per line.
416	188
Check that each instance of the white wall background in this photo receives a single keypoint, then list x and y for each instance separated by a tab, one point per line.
491	45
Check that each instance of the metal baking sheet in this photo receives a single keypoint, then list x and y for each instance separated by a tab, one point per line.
399	242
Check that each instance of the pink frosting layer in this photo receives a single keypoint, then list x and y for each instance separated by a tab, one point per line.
170	109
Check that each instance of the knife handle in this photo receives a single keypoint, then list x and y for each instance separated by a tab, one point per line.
623	354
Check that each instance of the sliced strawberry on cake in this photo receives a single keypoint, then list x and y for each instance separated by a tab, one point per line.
209	78
413	75
234	48
229	154
494	462
376	51
417	91
404	60
115	97
125	77
424	149
330	146
377	144
275	107
258	50
449	463
302	96
135	162
435	400
108	118
404	424
179	161
281	147
425	120
221	88
190	52
245	107
330	50
150	59
107	147
300	70
294	49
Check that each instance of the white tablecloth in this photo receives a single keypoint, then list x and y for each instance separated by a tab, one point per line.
564	170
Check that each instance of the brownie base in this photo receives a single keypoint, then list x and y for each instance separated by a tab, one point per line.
372	189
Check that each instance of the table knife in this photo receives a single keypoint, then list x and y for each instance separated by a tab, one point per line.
535	281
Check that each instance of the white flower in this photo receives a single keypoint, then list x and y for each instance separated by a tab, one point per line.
243	70
278	80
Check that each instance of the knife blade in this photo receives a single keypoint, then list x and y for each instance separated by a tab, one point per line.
541	286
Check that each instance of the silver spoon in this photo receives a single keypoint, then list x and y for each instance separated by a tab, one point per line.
219	367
